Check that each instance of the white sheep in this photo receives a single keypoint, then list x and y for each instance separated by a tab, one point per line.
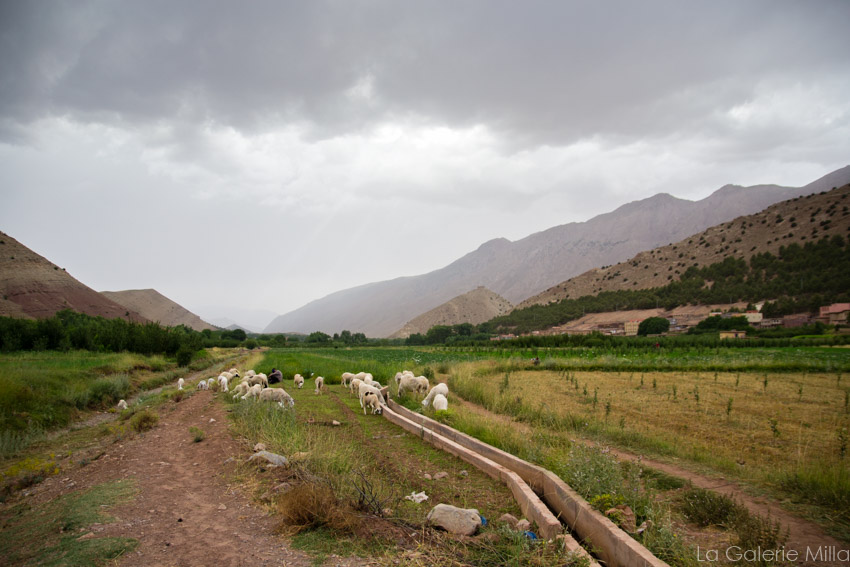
299	380
250	373
222	383
203	385
234	371
258	379
276	395
441	403
180	383
210	382
253	391
364	388
320	384
370	400
230	375
240	389
368	378
398	375
422	384
407	383
438	389
354	385
346	378
122	405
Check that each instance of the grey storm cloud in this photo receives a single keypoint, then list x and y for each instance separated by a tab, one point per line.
540	72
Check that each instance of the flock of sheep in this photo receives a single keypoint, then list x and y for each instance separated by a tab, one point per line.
372	395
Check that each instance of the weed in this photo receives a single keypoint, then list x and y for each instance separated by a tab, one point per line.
505	383
198	434
708	508
312	505
729	408
144	420
842	443
774	427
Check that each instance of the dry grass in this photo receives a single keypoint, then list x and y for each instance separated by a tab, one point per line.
689	414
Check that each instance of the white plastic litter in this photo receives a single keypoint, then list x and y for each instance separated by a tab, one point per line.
417	497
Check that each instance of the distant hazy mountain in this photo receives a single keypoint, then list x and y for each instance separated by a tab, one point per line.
156	307
518	270
250	320
474	307
33	287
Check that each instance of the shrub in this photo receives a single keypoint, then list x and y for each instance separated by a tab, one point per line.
107	391
144	420
198	434
707	508
184	356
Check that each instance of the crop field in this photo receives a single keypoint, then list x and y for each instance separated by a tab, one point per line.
776	419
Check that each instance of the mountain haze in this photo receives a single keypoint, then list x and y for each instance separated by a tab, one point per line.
35	288
156	307
518	270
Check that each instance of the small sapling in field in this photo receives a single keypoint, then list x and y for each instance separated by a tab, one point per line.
774	427
729	408
842	443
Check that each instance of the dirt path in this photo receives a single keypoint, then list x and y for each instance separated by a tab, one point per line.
187	511
803	534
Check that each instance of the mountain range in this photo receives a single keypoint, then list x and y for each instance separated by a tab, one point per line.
518	270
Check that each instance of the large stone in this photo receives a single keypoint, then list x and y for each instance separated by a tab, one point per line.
623	516
271	458
463	521
508	519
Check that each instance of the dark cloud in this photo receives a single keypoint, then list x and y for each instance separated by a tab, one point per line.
541	72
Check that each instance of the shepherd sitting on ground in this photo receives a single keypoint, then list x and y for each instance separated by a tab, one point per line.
275	376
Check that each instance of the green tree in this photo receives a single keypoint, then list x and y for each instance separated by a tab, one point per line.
653	326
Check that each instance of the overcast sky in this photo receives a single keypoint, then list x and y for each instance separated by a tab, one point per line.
259	155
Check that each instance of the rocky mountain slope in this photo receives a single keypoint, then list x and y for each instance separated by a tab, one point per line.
474	307
156	307
33	287
797	220
518	270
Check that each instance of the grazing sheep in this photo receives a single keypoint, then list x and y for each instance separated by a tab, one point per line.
299	380
258	379
365	388
354	385
361	376
422	384
320	384
253	391
122	405
240	389
368	378
250	373
441	403
438	389
346	378
276	395
203	385
370	400
407	383
230	375
222	383
398	375
210	382
180	383
234	371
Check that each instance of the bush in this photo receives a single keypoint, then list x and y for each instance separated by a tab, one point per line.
184	356
144	421
107	391
707	508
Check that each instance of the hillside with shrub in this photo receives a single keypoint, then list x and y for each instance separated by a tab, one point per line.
793	255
